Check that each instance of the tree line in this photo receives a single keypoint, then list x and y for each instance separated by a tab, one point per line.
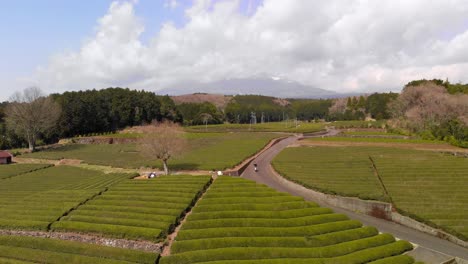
23	120
433	108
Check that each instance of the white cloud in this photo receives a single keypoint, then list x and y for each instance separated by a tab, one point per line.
344	46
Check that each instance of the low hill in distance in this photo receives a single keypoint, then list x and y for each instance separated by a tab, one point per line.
260	86
219	100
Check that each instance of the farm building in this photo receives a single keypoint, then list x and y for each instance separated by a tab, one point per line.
5	157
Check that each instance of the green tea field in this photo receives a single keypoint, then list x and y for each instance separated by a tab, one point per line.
21	250
378	140
426	185
136	209
17	169
34	200
206	151
240	221
287	126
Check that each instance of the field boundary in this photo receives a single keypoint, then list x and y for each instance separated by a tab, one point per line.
166	247
373	208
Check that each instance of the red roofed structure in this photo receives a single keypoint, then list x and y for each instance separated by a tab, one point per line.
5	157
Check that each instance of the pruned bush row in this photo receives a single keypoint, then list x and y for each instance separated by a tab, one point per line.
36	199
280	252
15	249
268	231
293	213
260	222
235	226
149	216
118	231
255	207
299	241
18	169
359	257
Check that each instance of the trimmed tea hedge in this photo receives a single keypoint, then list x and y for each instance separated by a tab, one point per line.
137	209
232	225
18	249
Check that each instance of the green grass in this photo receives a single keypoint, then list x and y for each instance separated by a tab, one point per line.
10	170
289	127
239	221
34	200
378	140
137	209
428	186
18	249
206	151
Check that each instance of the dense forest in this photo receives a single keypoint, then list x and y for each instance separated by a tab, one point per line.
107	110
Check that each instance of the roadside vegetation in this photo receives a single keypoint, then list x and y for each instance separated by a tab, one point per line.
240	221
428	186
21	250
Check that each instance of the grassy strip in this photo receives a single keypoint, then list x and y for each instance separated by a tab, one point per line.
83	249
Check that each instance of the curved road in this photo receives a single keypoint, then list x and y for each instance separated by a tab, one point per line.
267	176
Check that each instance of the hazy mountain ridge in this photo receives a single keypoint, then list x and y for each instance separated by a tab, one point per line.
275	87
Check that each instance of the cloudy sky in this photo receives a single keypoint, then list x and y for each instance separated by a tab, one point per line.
339	45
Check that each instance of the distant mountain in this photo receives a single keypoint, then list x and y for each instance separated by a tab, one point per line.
262	86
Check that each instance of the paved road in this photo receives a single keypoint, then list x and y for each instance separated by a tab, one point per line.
267	176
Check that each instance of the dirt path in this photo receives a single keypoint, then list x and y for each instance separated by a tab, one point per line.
166	250
147	246
266	175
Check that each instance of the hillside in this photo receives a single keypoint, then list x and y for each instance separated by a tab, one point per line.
219	100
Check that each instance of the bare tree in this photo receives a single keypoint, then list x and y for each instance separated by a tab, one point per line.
30	113
206	117
163	141
428	105
338	106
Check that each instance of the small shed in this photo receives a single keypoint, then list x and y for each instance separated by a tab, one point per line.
5	157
